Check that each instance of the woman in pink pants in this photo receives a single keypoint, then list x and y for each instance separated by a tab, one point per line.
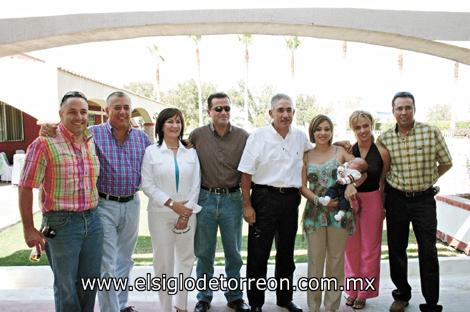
362	255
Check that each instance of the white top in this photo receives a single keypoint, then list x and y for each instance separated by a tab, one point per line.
273	160
159	181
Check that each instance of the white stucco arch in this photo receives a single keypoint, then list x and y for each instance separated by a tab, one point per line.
417	31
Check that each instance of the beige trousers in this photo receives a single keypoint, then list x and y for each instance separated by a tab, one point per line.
326	243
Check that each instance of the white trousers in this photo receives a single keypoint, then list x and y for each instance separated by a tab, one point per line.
173	254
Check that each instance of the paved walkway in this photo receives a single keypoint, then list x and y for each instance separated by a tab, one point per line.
30	289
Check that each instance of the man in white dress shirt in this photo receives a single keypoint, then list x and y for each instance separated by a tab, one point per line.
271	167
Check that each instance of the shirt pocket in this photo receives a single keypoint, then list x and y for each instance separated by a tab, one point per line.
56	221
158	168
64	168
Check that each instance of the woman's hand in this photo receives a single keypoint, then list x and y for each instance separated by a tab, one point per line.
350	192
181	209
182	223
333	205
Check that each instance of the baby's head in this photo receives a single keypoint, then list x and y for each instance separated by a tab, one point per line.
358	164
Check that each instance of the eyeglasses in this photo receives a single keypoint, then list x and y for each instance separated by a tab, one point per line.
219	109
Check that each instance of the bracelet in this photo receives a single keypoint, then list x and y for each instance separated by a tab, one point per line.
183	218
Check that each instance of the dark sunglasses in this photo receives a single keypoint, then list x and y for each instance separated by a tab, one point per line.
219	109
72	94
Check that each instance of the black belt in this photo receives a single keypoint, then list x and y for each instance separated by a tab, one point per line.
120	199
276	190
416	195
221	190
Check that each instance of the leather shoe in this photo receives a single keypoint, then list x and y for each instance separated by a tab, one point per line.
398	306
202	306
256	309
129	309
239	305
291	307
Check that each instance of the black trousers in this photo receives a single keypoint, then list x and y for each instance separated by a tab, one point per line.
276	219
421	212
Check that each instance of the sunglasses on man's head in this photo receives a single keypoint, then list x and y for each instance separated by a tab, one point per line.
219	109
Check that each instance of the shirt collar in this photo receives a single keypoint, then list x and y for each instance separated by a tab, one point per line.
69	136
211	126
271	126
110	127
411	131
181	147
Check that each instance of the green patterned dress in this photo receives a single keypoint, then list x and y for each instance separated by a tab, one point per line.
320	178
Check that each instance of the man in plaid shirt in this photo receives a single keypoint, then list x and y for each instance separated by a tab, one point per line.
65	169
120	150
419	156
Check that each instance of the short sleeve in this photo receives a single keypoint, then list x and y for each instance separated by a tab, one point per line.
34	167
250	155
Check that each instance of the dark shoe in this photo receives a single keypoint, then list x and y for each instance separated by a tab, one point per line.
359	304
430	307
256	309
202	306
239	305
350	301
129	309
398	306
291	307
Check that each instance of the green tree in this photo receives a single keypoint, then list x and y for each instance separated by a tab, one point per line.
258	104
185	97
307	108
439	112
144	88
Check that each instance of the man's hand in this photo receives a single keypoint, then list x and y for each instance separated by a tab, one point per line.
48	130
33	238
249	215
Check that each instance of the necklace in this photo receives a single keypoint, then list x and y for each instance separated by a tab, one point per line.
170	147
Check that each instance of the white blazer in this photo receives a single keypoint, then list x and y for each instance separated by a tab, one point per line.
159	180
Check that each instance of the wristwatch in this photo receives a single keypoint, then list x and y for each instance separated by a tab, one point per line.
171	203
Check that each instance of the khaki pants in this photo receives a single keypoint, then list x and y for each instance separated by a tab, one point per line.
326	243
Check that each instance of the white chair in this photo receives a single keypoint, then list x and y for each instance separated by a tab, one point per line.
5	168
18	163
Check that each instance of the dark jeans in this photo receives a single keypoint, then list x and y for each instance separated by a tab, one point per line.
74	254
276	218
421	212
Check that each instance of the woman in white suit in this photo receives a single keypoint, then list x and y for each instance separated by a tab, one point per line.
171	180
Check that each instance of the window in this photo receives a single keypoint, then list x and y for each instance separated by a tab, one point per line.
11	123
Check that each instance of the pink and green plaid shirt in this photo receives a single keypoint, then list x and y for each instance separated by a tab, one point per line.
65	173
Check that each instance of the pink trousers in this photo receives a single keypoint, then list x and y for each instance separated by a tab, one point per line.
362	255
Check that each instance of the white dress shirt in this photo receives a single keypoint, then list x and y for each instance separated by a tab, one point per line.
274	160
159	180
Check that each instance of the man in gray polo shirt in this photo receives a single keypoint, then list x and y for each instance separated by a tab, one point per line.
219	147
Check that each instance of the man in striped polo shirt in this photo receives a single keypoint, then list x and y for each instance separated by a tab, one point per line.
419	157
65	169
